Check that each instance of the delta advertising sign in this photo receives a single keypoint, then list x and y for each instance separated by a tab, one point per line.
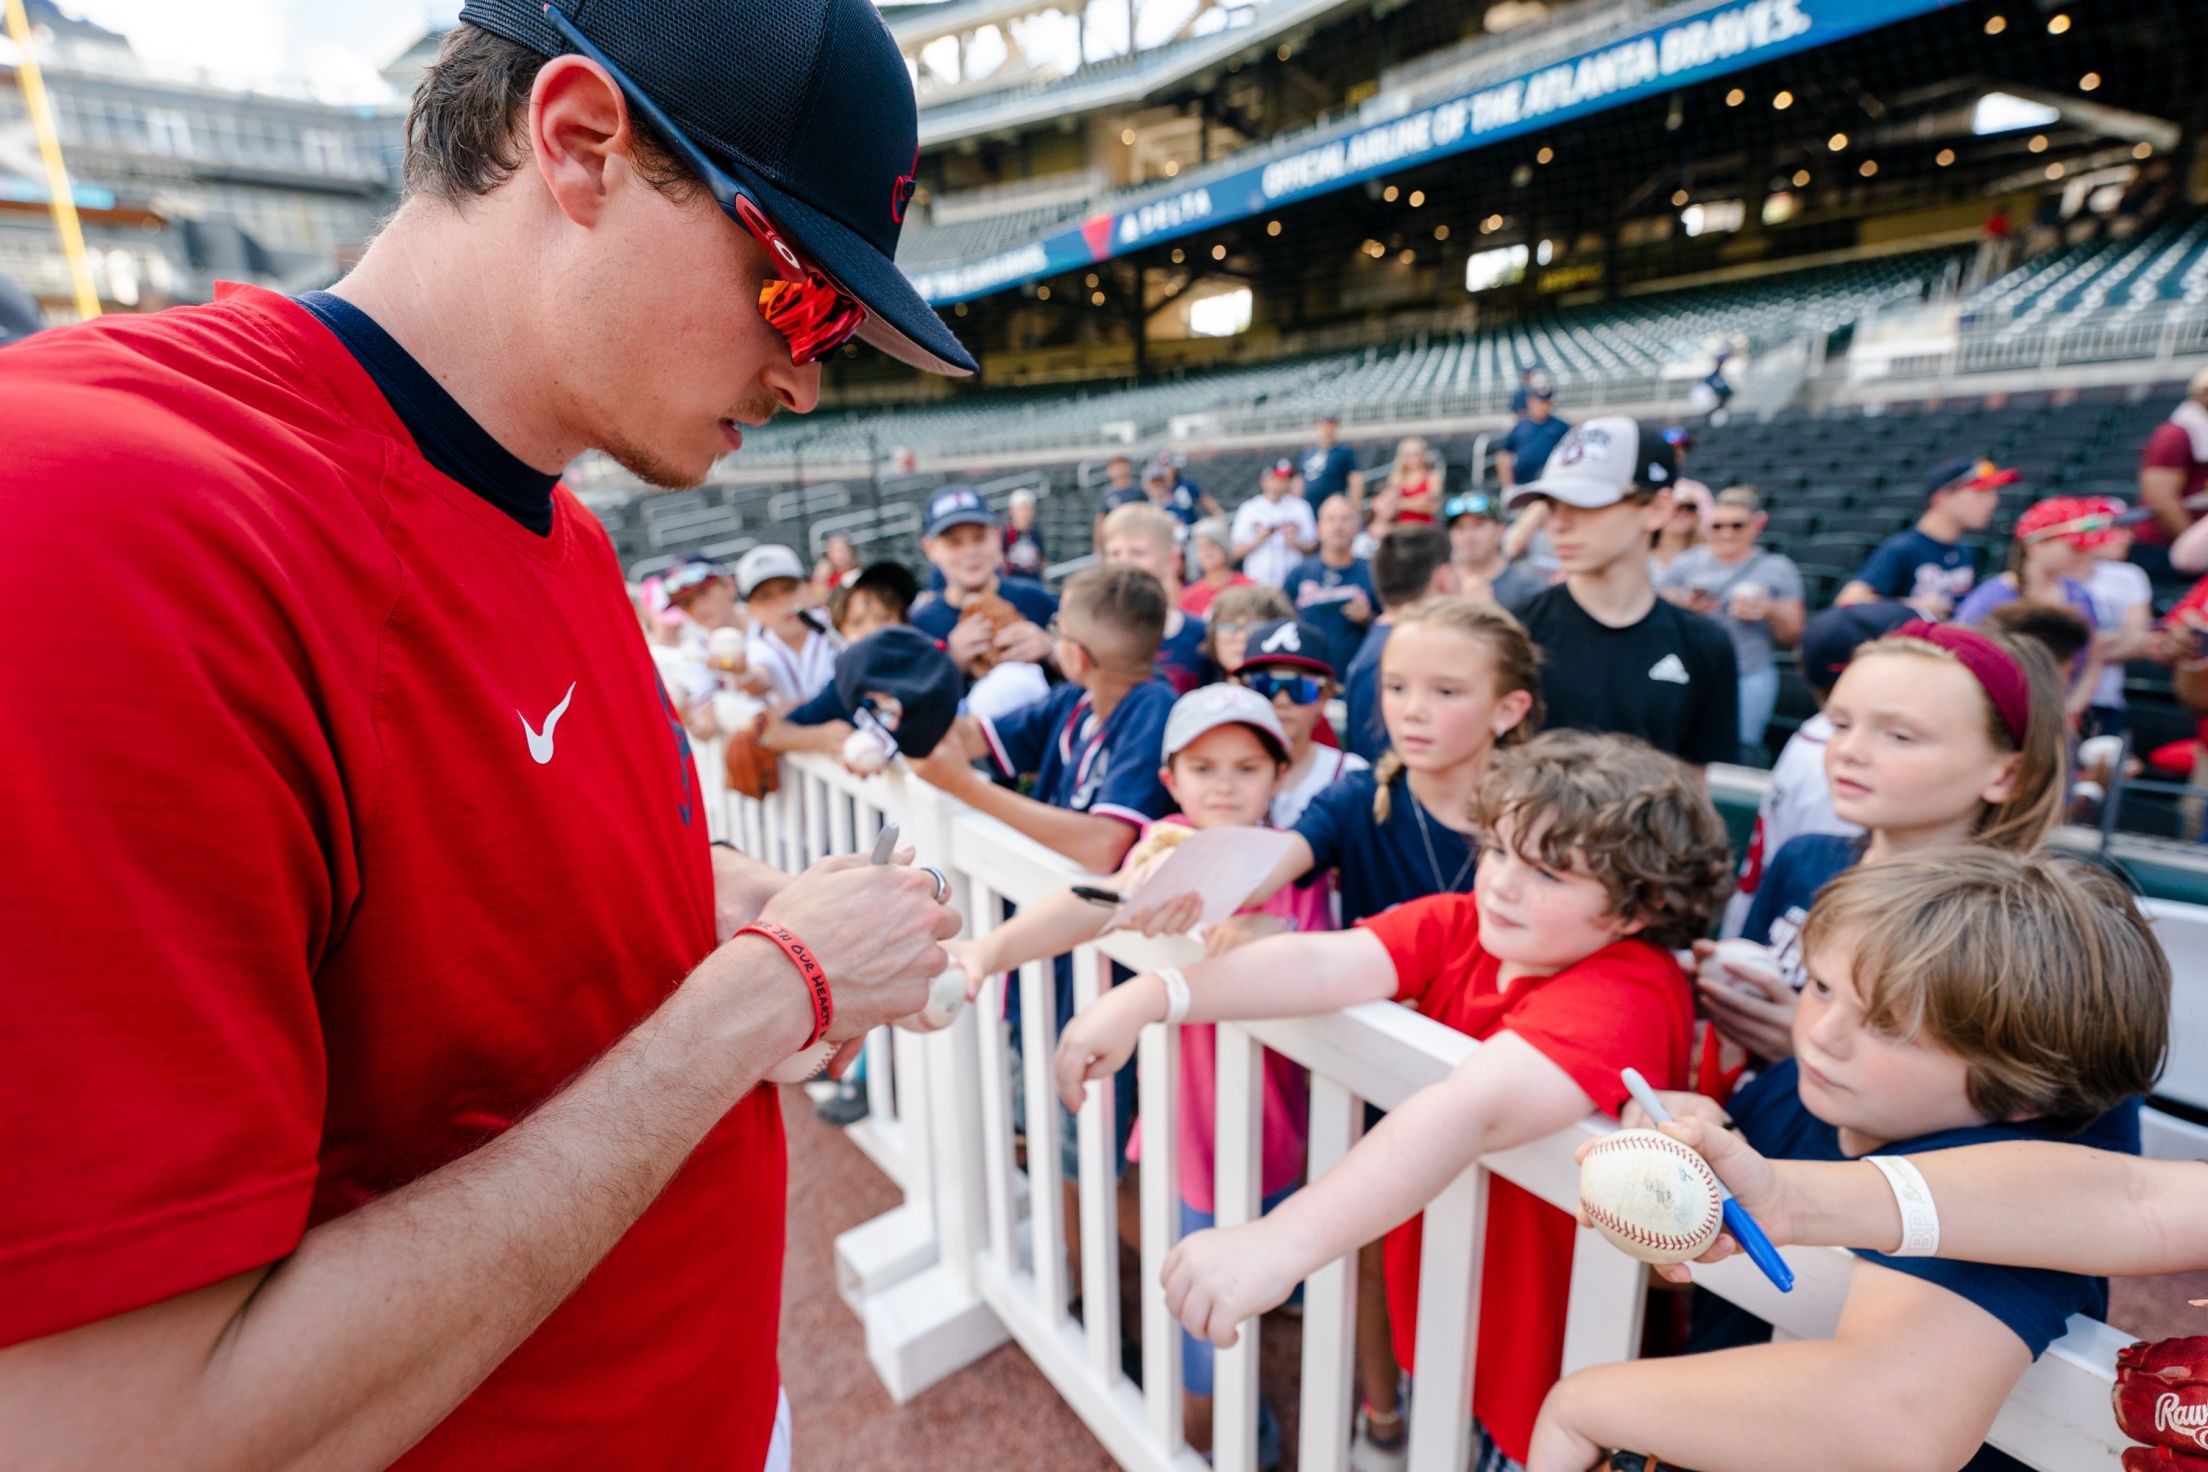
1721	39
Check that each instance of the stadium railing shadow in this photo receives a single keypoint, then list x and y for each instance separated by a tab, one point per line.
976	1253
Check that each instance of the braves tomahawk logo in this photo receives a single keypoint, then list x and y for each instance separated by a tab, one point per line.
900	191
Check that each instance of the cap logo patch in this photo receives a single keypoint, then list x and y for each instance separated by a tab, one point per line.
1657	474
900	192
1584	444
1284	639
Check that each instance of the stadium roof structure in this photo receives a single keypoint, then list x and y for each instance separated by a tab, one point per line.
1520	91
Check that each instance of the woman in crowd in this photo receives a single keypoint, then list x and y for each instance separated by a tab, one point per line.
1416	479
1756	595
1215	567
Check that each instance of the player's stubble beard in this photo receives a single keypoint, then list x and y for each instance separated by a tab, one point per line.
659	471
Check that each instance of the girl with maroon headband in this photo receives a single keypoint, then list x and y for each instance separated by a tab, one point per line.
1941	736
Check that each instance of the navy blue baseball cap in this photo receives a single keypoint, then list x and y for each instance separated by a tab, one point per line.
1291	642
808	106
1967	473
908	667
955	506
1830	638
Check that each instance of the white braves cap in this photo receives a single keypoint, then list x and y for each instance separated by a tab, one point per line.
1211	706
764	565
1600	462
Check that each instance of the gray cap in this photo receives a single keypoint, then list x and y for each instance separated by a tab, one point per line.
1209	707
765	564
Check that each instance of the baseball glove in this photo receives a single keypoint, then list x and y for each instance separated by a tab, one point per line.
999	614
2161	1397
2162	1459
752	769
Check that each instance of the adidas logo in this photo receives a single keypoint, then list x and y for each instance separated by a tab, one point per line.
1669	670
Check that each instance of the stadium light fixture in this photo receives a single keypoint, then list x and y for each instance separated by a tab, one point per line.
1179	255
1172	167
1867	168
1090	280
1096	298
1944	157
2090	82
1418	197
959	310
1837	142
1679	197
1544	156
1801	178
2142	150
1545	252
2057	23
1389	194
1441	232
1735	97
1272	227
1042	293
2005	112
1127	136
1219	252
1996	24
2038	143
2055	171
1782	101
1408	256
1283	53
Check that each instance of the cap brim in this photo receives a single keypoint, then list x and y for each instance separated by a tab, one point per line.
897	321
1291	661
960	518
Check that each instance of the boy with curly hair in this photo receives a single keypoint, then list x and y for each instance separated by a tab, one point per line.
1601	856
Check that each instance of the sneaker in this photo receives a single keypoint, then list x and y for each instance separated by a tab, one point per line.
1388	1451
846	1106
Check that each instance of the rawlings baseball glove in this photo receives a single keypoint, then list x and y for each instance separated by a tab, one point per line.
2161	1396
752	769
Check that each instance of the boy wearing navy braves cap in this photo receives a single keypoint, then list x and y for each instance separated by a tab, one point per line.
1614	656
1927	566
1287	663
958	532
421	1135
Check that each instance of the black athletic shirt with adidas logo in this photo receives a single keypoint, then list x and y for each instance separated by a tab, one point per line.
1670	679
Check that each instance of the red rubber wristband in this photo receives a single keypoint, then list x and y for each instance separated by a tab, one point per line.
809	970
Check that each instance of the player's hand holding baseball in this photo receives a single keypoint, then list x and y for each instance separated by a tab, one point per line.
1216	1279
1101	1037
875	929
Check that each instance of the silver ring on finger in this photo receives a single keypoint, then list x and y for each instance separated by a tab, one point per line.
942	884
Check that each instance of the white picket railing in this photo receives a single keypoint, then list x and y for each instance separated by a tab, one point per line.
976	1252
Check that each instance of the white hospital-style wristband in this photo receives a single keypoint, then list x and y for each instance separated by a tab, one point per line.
1920	1220
1176	994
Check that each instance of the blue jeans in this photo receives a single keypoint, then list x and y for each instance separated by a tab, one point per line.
1197	1354
1759	698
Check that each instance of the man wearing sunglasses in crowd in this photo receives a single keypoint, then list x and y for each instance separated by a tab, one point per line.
1287	663
390	1086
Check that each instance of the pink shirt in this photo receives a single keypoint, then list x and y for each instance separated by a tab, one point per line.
1285	1108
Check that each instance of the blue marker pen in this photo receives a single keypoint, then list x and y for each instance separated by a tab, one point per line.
1737	1220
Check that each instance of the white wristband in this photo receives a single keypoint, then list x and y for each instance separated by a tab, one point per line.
1176	994
1920	1220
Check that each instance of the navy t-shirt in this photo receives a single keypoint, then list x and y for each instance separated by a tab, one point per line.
1326	473
1111	498
935	617
1367	735
1529	445
1912	565
1185	502
1321	593
1182	663
1377	865
2034	1303
1789	886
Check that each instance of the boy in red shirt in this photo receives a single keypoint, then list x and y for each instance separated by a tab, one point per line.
1602	856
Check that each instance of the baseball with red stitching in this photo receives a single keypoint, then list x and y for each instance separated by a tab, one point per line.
2161	1394
1653	1197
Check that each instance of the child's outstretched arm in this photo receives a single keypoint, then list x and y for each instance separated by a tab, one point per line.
1911	1379
1505	1094
1280	976
1051	926
2031	1204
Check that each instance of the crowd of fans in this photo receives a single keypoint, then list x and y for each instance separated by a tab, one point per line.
1505	824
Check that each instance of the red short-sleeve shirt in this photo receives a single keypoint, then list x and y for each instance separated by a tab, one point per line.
2170	447
1626	1005
346	820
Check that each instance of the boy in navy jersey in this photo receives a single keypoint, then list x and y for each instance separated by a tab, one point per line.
959	536
1927	566
1899	1049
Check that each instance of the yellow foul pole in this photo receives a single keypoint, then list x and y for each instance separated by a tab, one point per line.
64	204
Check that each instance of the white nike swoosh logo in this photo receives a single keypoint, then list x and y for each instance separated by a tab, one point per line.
540	746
